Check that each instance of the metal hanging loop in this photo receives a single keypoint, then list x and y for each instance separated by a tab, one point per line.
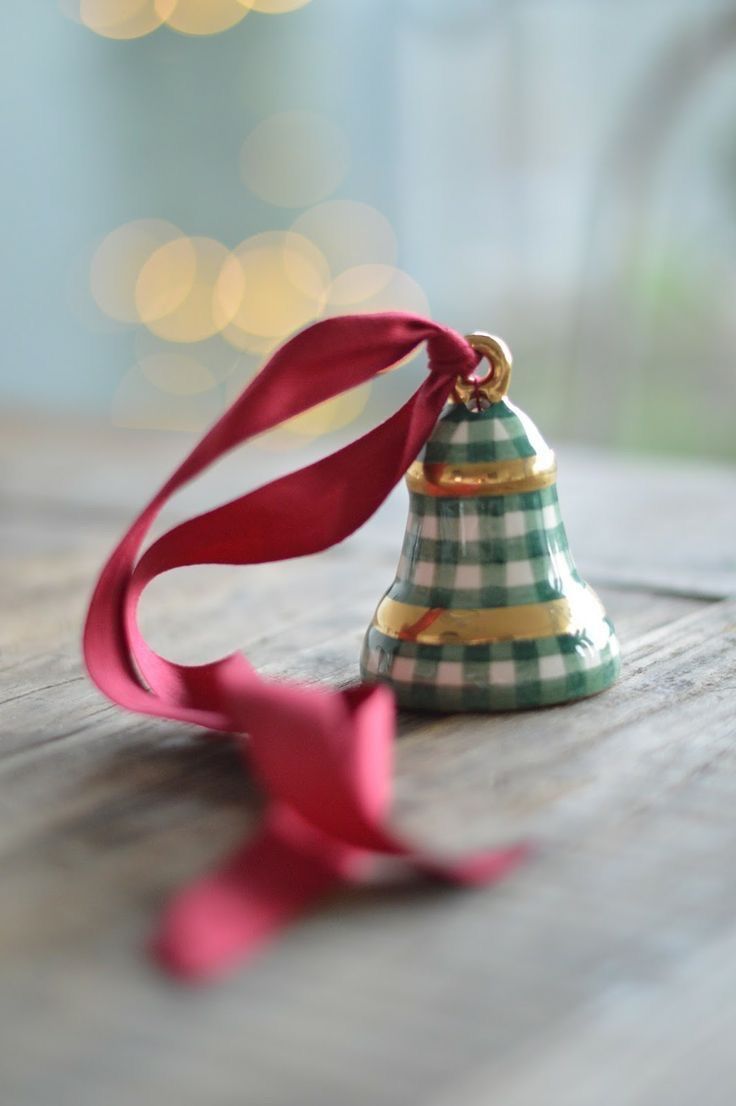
479	393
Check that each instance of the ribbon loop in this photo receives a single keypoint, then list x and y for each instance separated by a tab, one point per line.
450	354
323	754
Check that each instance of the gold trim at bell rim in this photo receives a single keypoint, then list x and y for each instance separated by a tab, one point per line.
521	474
445	626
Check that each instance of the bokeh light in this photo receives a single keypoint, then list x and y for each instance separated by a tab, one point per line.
177	373
244	342
286	282
217	355
205	17
189	289
276	7
294	159
124	19
349	234
237	306
367	288
129	19
141	404
117	263
333	414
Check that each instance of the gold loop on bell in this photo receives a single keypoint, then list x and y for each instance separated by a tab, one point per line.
494	385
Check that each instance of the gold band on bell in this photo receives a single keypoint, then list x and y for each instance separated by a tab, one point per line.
521	474
445	626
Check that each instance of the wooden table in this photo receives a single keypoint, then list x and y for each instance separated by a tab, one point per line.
603	972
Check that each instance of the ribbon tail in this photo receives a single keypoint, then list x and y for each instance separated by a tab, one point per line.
229	915
269	882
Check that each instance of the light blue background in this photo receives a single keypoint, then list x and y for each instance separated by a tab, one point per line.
559	172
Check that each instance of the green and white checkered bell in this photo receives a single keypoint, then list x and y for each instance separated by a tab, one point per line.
487	611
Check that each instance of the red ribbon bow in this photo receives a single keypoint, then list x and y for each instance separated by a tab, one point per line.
323	757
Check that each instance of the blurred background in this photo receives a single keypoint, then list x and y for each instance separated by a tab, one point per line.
187	182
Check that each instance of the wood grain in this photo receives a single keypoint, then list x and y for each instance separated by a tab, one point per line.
603	972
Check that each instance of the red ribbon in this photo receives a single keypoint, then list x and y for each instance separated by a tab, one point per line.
323	757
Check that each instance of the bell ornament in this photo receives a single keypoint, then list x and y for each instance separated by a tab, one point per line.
488	610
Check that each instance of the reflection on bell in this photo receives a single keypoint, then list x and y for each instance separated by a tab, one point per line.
487	611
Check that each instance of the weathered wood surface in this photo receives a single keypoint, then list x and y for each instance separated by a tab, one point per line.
603	972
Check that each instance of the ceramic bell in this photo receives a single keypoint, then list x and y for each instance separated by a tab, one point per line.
487	611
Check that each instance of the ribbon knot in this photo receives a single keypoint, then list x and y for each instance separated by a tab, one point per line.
450	354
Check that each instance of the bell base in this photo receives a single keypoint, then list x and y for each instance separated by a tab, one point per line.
502	676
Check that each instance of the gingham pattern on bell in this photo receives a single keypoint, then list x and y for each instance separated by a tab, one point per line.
484	551
500	433
499	676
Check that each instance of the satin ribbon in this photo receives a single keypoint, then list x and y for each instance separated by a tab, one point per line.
323	757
